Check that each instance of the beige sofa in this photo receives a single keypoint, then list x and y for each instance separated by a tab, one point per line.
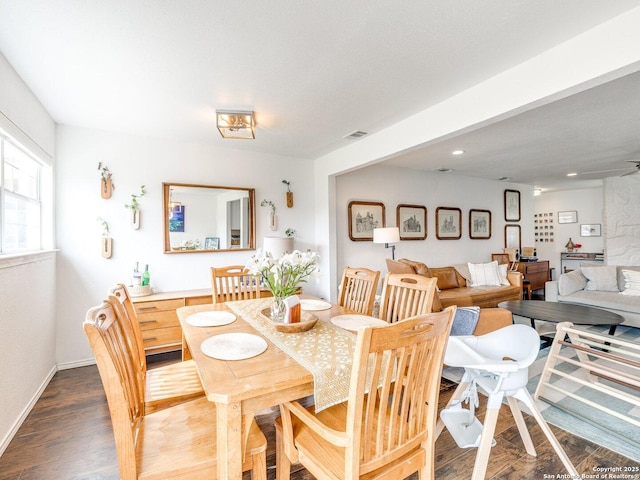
453	290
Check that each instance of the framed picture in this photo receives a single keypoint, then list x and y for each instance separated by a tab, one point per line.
512	237
479	224
448	223
363	218
511	206
591	230
176	220
412	221
568	217
212	243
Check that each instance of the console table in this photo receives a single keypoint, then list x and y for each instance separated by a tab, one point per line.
158	320
571	260
537	273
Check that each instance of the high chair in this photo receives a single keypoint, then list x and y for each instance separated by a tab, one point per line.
498	363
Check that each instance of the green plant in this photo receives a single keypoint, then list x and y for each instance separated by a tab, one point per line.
288	184
105	173
105	226
269	203
290	232
283	275
134	200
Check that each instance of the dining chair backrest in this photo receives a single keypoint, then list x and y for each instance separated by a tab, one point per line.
395	383
121	300
233	283
358	289
118	366
406	295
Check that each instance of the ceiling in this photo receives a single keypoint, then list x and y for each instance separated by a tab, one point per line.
316	71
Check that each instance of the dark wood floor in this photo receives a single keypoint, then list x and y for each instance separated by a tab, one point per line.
68	436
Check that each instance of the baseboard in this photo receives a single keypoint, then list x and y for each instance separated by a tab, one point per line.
25	412
76	364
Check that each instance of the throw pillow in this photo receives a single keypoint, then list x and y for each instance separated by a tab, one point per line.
502	274
465	321
621	279
631	283
446	276
601	278
571	282
484	274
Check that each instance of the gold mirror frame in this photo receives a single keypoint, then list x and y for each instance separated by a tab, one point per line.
222	237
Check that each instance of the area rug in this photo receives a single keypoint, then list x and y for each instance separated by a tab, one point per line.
580	419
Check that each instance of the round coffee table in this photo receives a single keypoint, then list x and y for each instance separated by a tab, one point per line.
556	312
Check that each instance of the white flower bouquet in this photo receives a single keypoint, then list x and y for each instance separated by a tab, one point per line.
283	275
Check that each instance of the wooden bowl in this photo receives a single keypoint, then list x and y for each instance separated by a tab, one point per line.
307	322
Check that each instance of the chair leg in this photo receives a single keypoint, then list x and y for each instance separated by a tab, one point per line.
259	466
283	464
482	456
522	426
523	395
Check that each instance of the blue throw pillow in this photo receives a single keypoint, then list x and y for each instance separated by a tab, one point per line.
465	321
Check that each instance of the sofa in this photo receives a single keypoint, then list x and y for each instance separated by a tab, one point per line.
454	284
453	290
600	286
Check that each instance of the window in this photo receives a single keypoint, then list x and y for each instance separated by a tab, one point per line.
20	198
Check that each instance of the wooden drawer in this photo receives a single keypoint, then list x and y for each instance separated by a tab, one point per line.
162	336
158	306
149	321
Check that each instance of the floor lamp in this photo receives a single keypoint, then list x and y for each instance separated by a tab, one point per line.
387	235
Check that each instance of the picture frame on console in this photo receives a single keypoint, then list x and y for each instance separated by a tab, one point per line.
448	223
363	218
511	205
512	237
591	230
479	224
412	221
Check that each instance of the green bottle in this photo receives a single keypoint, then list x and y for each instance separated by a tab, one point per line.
146	278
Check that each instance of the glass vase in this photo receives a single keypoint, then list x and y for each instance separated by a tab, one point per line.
278	309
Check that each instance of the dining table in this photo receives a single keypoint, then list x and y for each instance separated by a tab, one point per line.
292	366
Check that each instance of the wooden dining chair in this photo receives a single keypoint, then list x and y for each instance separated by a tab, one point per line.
386	428
178	442
358	289
406	295
233	283
165	385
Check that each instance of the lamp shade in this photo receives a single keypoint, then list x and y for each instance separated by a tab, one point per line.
386	235
277	246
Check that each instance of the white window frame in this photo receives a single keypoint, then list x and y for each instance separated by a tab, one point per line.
44	186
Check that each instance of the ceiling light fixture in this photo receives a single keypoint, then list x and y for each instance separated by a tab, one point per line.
537	192
457	152
443	169
572	174
240	124
504	178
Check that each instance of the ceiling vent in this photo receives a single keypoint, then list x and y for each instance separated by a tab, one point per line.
355	135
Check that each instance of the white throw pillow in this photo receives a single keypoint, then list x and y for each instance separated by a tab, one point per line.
484	274
602	279
631	283
571	282
502	274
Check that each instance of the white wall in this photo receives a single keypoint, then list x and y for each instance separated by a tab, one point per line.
27	283
393	186
588	205
84	277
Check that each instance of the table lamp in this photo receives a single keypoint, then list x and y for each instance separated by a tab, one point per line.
278	246
387	235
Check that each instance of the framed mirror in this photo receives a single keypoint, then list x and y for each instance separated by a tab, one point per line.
208	218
